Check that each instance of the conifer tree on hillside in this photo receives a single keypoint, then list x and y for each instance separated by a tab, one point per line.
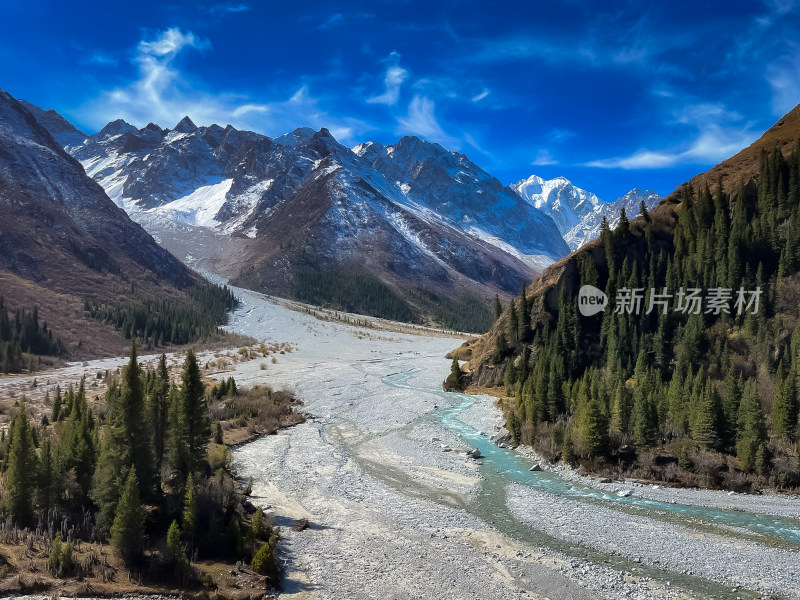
497	308
21	470
132	417
127	532
197	425
158	413
752	429
190	512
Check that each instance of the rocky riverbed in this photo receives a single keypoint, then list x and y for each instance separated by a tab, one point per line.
399	511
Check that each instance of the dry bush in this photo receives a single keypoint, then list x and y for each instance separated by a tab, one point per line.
548	444
646	467
261	409
708	465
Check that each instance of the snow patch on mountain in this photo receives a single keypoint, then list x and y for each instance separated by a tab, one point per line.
200	207
536	261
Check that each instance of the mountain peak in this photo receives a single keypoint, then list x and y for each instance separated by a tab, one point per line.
185	125
295	137
115	127
64	132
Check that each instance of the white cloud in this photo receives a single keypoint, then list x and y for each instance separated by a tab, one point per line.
332	21
422	121
162	94
249	108
482	95
784	79
395	76
714	144
543	158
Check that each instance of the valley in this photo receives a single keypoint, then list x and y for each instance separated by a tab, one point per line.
377	301
391	508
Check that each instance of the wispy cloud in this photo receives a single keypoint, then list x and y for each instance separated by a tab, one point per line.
478	97
711	146
332	21
783	76
543	158
102	59
557	135
163	94
421	120
336	19
392	82
218	9
713	132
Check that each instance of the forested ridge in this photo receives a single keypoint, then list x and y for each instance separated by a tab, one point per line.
365	294
708	396
160	321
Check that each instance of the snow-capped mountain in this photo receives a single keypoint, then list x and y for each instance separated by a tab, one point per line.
450	185
566	203
589	227
578	213
257	209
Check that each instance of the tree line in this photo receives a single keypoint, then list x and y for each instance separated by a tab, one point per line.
22	338
141	475
669	392
164	321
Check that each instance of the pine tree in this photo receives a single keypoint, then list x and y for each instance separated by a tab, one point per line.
645	422
45	481
158	409
197	425
752	429
127	532
263	562
497	308
175	554
112	465
131	406
259	525
620	411
453	381
594	430
643	213
54	558
57	405
524	317
706	420
784	405
176	450
21	471
513	324
568	449
190	512
623	227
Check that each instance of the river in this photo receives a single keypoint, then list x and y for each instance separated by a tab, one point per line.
396	515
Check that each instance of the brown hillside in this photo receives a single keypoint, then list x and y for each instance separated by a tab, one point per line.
62	240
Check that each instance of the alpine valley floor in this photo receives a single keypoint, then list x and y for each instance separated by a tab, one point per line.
394	515
397	510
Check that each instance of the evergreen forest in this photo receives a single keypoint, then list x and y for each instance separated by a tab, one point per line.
702	395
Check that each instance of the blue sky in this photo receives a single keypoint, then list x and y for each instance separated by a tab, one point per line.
610	95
